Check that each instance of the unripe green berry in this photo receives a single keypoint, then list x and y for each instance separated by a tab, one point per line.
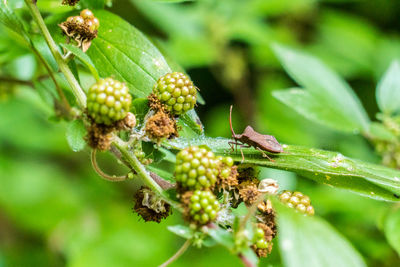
78	20
259	239
298	201
108	101
203	207
177	92
195	168
87	14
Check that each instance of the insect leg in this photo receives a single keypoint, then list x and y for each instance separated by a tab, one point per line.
241	150
231	143
264	155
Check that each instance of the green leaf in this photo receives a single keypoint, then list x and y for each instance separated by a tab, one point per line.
140	107
172	1
192	121
222	237
325	86
326	167
92	4
45	92
310	241
82	57
313	108
122	51
10	20
76	131
181	230
388	90
392	229
40	45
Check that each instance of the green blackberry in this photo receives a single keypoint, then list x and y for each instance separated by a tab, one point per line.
108	101
298	201
196	168
203	207
177	92
227	163
259	239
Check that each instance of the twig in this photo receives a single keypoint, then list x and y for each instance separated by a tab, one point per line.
12	80
177	254
102	174
246	261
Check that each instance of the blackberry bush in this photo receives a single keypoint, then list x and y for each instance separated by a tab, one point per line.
108	101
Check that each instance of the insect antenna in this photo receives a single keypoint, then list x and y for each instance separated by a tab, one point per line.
230	121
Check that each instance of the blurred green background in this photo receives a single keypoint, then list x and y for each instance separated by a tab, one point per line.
55	211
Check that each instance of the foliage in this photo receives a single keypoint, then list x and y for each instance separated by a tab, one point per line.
50	197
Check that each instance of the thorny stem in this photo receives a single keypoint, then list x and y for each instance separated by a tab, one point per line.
76	88
102	174
177	254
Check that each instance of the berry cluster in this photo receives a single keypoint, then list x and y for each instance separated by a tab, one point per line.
259	239
108	101
177	92
86	19
298	201
196	168
203	207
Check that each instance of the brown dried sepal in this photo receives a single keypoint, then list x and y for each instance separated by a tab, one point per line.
266	216
81	33
229	183
99	136
69	2
246	173
126	123
262	252
268	235
185	201
155	104
248	191
149	206
161	126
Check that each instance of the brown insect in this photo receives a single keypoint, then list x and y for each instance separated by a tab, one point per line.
251	138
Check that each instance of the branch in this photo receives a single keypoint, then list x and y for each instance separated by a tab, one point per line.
177	254
246	261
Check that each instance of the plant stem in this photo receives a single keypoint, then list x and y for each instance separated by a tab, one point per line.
246	261
132	160
76	88
102	174
177	254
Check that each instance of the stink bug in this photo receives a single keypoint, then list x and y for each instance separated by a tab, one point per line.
251	138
